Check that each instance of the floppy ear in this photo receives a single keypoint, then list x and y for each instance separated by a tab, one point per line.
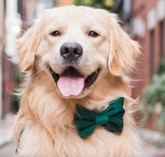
123	50
27	46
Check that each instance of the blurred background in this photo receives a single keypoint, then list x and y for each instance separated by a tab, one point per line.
144	20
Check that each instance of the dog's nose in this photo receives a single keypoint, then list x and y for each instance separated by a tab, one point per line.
71	51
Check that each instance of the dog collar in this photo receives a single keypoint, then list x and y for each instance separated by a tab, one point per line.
111	119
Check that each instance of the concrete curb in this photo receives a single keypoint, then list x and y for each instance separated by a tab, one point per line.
6	129
7	138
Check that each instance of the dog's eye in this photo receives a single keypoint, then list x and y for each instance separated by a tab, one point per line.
55	33
93	34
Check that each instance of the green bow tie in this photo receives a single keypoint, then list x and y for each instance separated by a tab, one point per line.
112	118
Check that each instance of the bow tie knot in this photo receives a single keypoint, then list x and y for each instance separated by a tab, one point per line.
101	119
111	119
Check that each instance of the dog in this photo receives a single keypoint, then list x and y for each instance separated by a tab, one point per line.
76	57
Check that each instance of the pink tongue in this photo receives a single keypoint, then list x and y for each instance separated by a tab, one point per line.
69	85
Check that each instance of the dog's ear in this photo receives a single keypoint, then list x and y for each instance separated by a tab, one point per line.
27	46
123	50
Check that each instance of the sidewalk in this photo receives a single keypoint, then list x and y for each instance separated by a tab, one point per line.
6	127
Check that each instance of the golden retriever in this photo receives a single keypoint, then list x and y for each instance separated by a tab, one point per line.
74	55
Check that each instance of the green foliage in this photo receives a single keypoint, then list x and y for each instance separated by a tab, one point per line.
155	92
19	76
105	4
161	121
15	94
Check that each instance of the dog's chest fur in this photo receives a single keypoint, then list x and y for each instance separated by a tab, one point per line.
53	132
68	143
65	142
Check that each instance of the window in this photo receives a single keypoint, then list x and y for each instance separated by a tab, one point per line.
152	53
161	35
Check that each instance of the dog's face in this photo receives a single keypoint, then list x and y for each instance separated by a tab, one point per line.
77	47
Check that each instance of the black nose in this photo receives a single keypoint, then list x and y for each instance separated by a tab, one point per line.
71	51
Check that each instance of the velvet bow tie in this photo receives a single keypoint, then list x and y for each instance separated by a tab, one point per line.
111	119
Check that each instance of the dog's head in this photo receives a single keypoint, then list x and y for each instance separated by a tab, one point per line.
76	47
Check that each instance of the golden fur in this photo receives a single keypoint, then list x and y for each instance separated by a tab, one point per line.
45	114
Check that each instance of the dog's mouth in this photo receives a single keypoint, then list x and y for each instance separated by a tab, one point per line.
71	82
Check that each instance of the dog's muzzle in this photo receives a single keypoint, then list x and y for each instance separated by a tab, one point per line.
71	82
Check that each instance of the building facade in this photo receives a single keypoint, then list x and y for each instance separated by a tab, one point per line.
1	51
10	23
15	17
145	22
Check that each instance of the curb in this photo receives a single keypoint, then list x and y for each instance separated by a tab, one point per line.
6	139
